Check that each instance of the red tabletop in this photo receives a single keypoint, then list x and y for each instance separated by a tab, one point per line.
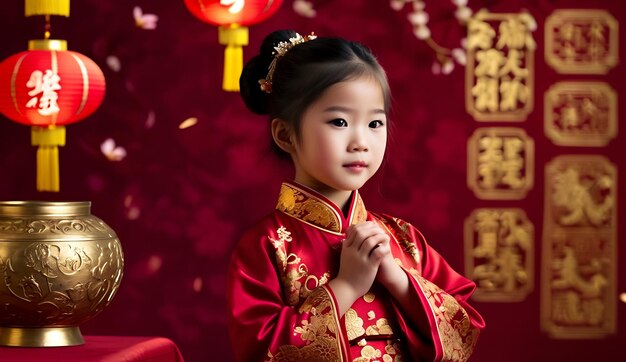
100	349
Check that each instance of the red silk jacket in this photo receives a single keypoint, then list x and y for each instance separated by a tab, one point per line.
280	308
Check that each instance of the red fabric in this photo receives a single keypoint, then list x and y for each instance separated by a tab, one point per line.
100	349
280	308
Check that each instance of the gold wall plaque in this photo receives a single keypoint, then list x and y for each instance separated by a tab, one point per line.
580	114
499	248
499	74
500	162
578	287
581	41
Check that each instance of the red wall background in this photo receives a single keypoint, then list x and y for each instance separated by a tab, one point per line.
181	198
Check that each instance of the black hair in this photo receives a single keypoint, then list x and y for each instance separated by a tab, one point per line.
303	74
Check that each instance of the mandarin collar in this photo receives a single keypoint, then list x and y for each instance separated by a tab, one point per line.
313	208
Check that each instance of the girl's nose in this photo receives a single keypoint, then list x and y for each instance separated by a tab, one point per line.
358	143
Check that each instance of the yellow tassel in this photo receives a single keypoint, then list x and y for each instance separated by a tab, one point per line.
47	7
234	37
48	139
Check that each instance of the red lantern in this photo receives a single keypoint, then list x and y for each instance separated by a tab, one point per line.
48	87
233	17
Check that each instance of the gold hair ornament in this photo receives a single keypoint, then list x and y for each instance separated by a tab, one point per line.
280	50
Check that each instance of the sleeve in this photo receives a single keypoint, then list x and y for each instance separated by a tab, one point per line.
448	327
262	326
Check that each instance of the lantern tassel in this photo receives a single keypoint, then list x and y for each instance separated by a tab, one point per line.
48	139
234	38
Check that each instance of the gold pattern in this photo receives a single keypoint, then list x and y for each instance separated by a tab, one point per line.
499	74
500	163
304	206
297	283
320	333
580	114
581	41
499	249
369	297
458	338
579	298
60	266
354	325
382	327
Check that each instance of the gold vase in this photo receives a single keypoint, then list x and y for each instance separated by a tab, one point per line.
59	267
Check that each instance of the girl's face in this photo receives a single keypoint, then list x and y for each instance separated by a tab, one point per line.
343	138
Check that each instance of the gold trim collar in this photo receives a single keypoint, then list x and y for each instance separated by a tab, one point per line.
308	206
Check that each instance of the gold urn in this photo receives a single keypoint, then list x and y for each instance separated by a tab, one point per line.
59	267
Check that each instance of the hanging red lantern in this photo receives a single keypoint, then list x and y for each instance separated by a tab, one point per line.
233	17
48	87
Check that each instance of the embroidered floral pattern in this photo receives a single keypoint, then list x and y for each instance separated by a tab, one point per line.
457	335
300	205
354	324
382	327
390	354
319	333
295	203
297	283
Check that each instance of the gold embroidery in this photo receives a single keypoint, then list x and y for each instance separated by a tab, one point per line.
354	324
369	297
382	327
367	353
319	333
308	208
371	315
294	274
297	204
362	342
455	331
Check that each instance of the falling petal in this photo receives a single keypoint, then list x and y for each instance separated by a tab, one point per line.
107	146
622	297
154	263
189	122
111	151
144	21
304	8
197	284
128	200
133	213
396	5
150	120
114	63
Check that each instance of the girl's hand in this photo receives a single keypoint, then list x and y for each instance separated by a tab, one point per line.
390	273
365	246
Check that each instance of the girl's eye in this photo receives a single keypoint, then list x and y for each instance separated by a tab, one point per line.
339	122
376	124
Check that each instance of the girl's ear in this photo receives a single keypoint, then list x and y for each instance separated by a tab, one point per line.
283	135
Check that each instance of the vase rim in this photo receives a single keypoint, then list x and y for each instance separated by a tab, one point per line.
50	208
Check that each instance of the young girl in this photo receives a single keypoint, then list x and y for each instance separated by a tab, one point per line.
321	278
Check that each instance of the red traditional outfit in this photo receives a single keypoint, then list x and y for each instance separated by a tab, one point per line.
281	309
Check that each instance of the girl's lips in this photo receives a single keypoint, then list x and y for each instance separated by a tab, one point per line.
356	164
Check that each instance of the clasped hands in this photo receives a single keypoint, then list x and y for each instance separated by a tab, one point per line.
366	257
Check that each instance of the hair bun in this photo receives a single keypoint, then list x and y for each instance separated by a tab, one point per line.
255	99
